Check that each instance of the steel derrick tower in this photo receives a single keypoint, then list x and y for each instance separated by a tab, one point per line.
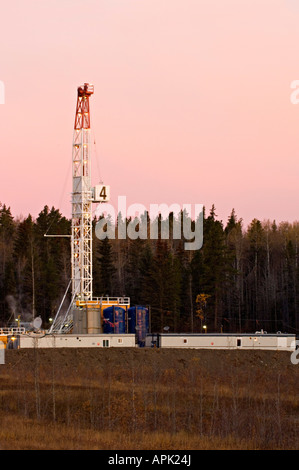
81	238
84	313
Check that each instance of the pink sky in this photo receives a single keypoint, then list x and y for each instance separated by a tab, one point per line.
191	104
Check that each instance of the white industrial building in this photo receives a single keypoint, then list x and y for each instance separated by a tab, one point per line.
258	340
77	341
246	341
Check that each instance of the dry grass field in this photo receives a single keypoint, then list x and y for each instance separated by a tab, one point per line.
148	399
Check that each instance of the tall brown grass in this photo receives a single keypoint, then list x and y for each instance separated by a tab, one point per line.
148	399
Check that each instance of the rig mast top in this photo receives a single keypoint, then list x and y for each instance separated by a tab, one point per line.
82	120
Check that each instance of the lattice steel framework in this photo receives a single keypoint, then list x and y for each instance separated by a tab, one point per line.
82	199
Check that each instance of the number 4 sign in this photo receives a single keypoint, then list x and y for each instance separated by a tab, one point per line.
101	193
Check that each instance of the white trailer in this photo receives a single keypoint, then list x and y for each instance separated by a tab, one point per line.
77	341
258	340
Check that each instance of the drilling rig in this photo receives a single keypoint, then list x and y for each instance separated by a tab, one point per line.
82	199
84	312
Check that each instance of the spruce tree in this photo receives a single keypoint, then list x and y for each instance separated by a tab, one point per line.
7	282
103	283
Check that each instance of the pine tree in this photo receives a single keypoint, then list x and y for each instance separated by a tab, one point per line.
255	276
133	270
186	302
7	282
164	282
54	256
214	268
103	282
234	292
26	259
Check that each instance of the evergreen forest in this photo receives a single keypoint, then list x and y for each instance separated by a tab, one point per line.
243	279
